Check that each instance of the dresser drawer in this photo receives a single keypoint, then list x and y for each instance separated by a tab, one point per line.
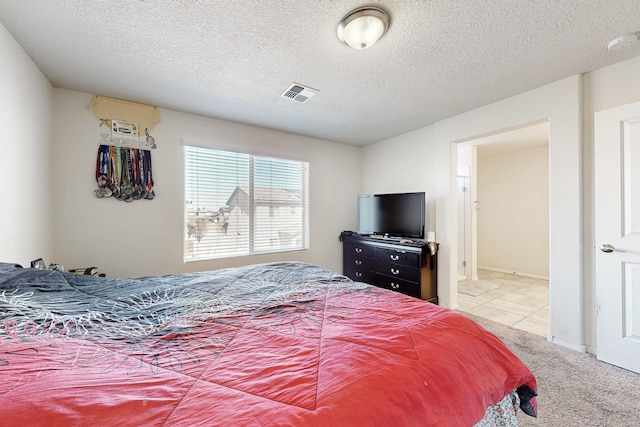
411	259
359	274
398	285
358	262
359	251
403	272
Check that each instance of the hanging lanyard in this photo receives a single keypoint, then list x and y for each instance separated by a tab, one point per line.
118	180
135	169
143	174
102	165
148	176
102	172
126	172
113	171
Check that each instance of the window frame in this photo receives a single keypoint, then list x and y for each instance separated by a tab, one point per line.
304	181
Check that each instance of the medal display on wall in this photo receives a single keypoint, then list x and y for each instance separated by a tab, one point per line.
124	173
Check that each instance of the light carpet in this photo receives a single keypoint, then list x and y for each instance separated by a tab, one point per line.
574	388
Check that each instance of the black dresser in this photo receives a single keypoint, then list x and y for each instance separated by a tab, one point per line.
407	267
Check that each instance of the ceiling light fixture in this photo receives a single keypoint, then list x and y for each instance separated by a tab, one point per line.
362	27
623	41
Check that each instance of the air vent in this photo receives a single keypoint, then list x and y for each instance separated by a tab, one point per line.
299	93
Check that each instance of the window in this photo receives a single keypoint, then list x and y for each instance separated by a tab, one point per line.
233	200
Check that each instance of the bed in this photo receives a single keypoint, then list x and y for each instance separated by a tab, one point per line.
284	343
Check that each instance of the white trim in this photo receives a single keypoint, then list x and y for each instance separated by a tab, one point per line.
567	344
519	273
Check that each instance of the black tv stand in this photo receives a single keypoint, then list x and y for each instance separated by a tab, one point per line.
408	267
385	237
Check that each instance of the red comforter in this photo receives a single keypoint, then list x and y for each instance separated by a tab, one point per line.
269	344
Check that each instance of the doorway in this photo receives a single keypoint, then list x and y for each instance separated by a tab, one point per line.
503	228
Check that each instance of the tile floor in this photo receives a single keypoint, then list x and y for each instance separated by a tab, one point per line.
517	301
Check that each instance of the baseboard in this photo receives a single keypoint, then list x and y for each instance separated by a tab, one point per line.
577	347
519	273
465	278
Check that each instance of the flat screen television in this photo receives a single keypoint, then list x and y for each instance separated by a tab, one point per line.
395	215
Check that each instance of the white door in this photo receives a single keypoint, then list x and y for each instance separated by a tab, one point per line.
617	220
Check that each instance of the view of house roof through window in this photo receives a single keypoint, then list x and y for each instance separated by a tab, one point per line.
238	204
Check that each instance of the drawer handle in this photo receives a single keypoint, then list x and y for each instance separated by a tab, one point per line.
358	274
358	262
358	250
395	271
395	257
395	285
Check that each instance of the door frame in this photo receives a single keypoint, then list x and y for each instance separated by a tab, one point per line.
518	137
561	104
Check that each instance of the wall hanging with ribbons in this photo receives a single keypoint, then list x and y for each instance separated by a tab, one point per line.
123	165
124	173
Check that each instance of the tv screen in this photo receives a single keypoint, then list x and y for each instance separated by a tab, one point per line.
393	215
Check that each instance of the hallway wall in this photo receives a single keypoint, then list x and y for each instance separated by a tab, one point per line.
513	220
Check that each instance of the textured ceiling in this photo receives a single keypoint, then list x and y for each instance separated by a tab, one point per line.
232	59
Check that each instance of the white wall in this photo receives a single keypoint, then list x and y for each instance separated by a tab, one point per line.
402	164
25	188
569	105
145	237
560	103
513	222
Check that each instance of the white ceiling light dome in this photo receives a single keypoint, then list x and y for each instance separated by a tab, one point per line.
364	26
623	41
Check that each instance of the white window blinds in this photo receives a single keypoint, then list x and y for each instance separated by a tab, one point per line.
240	204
